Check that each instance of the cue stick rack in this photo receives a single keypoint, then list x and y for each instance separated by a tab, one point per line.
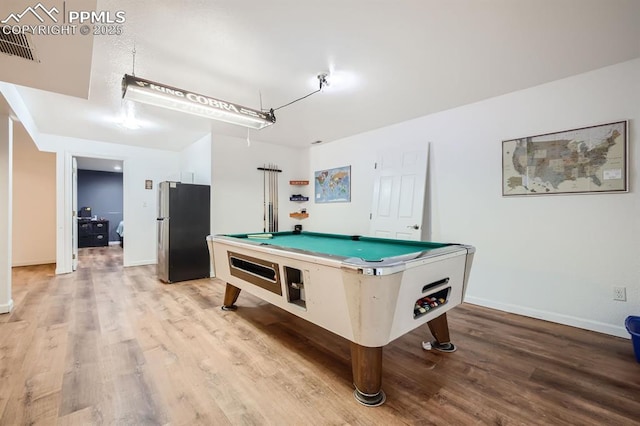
270	197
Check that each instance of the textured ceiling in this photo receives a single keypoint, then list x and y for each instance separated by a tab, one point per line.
406	59
63	61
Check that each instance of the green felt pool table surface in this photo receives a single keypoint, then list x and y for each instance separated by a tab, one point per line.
366	248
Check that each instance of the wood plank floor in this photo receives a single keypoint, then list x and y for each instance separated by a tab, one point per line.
113	346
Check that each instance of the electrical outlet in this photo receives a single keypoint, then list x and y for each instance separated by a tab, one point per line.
620	293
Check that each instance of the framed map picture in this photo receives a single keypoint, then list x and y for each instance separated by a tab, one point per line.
587	160
333	185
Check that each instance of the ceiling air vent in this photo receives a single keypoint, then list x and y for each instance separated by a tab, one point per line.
17	45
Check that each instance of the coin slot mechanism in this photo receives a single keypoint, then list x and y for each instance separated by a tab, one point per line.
294	280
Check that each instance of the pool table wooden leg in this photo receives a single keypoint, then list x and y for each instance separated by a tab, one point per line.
439	327
366	364
231	294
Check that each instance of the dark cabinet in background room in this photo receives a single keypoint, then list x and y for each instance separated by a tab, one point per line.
93	233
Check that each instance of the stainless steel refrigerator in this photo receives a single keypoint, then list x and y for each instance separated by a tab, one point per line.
183	226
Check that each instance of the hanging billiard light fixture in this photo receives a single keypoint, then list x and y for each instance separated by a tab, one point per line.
150	92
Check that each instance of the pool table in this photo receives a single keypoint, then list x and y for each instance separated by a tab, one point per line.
367	290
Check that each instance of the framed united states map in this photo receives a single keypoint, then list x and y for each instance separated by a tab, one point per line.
586	160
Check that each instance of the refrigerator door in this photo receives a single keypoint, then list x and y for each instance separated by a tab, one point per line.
163	231
188	230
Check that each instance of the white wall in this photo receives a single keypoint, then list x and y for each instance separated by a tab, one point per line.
196	159
34	202
19	108
550	257
361	153
236	191
6	172
140	204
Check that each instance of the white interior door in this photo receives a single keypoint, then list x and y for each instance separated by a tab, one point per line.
399	195
74	207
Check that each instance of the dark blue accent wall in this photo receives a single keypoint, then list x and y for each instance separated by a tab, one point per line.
102	191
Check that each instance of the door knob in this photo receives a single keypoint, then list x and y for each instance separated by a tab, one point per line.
413	226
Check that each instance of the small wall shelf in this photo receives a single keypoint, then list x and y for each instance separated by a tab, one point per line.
298	215
302	214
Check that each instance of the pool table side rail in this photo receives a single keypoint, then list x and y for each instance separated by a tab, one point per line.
387	266
429	244
395	264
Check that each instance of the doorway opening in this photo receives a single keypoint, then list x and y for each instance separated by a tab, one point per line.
98	231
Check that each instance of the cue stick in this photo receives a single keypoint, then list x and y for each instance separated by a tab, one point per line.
270	198
275	215
275	201
273	195
264	198
269	195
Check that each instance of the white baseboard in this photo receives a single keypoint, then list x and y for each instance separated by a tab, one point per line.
32	263
5	308
114	243
141	263
586	324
